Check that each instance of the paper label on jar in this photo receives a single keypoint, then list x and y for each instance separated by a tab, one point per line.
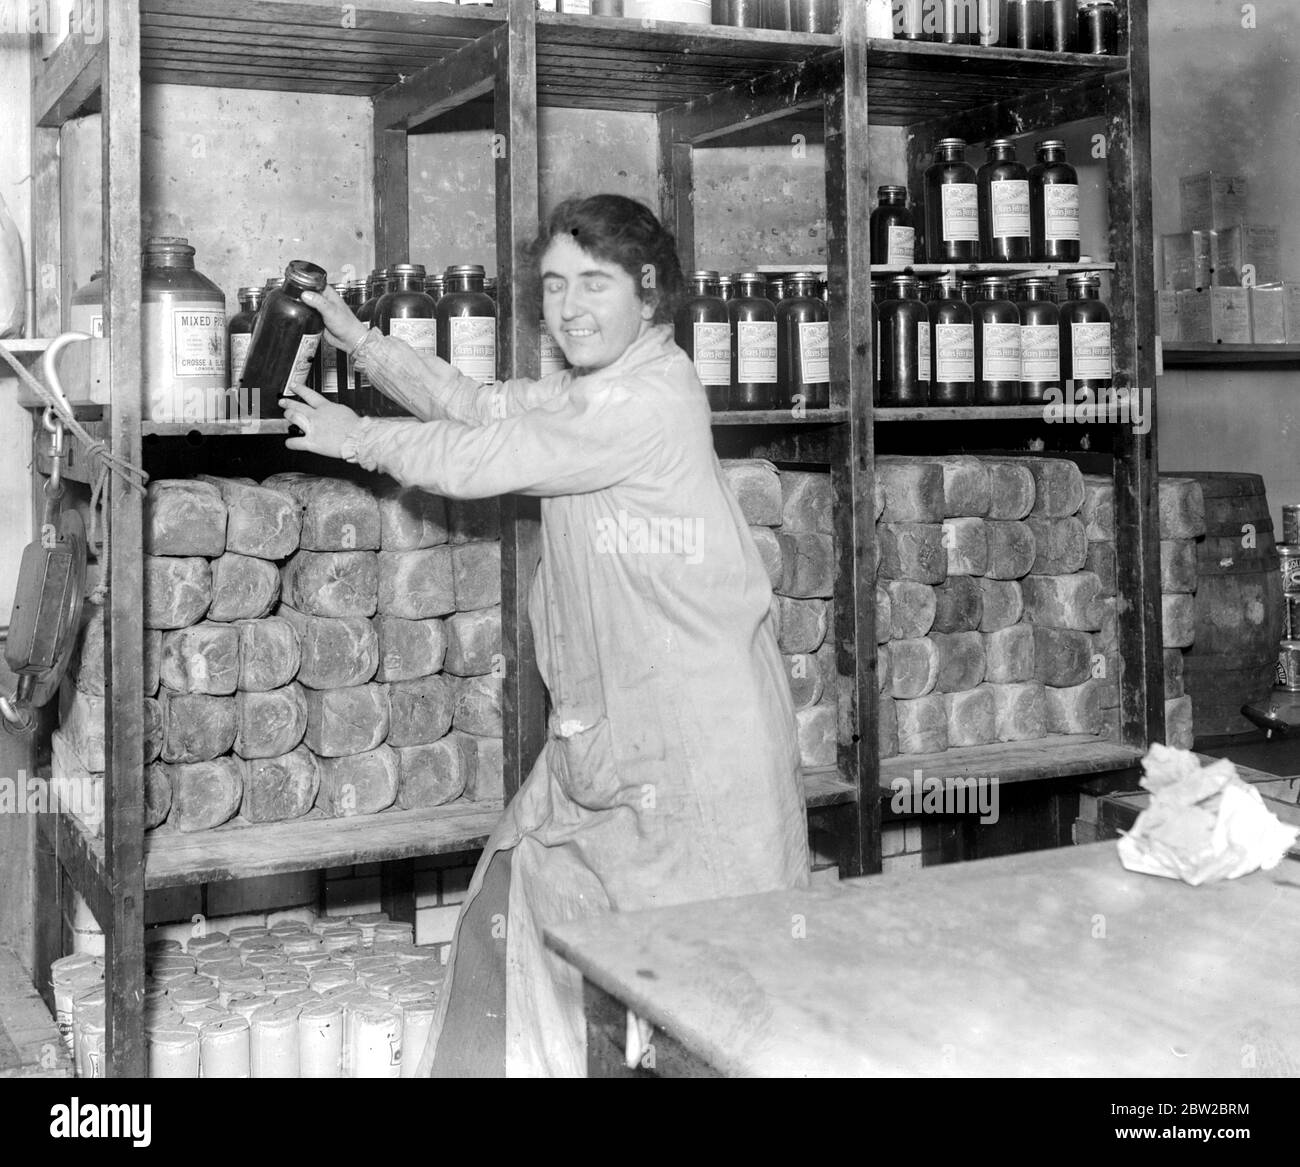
1009	203
474	347
419	333
87	320
198	342
302	362
954	353
814	352
1061	211
960	211
330	377
239	344
901	248
550	355
1090	350
577	7
923	362
1040	352
756	352
712	353
1001	352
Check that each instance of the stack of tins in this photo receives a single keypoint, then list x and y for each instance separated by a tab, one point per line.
313	646
1239	603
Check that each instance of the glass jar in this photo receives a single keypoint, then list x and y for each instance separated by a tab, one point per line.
334	368
910	21
286	338
952	230
183	336
434	285
992	30
1003	205
957	18
803	346
738	13
406	312
997	344
353	296
754	344
1086	357
952	343
362	390
1053	206
1061	25
776	288
726	287
702	329
1099	27
893	234
241	330
467	324
905	345
1024	24
1040	340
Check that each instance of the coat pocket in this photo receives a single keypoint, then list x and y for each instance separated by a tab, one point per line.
584	764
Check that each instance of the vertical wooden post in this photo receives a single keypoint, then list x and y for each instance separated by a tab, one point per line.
47	233
124	641
519	308
852	446
392	197
677	187
1128	162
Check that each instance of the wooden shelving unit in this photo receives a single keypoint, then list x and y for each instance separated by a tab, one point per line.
705	85
1189	355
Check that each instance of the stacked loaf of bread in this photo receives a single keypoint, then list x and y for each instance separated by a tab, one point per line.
312	646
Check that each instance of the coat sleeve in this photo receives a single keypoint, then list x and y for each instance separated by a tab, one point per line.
432	389
573	444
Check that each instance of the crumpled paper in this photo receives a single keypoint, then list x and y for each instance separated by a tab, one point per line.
1204	823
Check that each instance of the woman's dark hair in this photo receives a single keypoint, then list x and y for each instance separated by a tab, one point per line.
626	232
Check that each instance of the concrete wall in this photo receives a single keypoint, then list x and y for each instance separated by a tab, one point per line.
1225	97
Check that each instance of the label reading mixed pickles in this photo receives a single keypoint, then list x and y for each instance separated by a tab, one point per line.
198	342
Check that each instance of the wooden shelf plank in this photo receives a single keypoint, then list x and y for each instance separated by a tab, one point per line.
81	855
972	269
1187	354
960	413
827	788
253	427
779	417
67	81
1061	756
239	852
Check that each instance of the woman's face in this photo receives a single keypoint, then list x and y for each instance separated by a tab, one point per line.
590	305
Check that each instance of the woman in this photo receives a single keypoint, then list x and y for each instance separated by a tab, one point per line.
671	767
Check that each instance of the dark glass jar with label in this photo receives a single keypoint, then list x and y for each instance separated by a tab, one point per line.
702	329
434	285
241	330
1040	340
1061	25
952	229
803	345
958	18
997	344
992	30
1024	24
726	287
776	288
362	390
406	312
753	345
1054	206
904	345
1086	357
467	324
353	293
893	234
1099	27
1004	205
286	338
952	344
332	369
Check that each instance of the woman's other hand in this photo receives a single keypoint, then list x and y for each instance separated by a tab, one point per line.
342	327
325	425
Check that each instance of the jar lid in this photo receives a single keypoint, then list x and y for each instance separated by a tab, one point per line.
304	274
803	275
893	190
1051	144
249	291
407	269
168	243
704	274
1002	144
273	283
950	143
749	276
904	281
1084	278
993	281
356	285
465	269
341	287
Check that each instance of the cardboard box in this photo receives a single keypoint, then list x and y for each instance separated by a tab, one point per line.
1268	314
1212	201
1236	247
1291	300
1194	317
1167	315
1188	260
1230	315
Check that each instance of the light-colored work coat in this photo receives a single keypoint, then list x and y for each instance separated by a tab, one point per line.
670	771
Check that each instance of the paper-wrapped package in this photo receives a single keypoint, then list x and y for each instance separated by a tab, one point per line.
1204	823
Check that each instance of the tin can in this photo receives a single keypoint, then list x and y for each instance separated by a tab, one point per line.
1288	665
1289	554
1291	523
1292	629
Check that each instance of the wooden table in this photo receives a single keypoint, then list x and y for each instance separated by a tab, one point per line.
1053	963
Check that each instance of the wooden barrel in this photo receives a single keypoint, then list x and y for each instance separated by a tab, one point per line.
1239	613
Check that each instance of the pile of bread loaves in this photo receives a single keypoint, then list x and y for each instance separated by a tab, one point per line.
313	646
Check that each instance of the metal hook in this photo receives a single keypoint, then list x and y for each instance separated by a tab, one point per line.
15	721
